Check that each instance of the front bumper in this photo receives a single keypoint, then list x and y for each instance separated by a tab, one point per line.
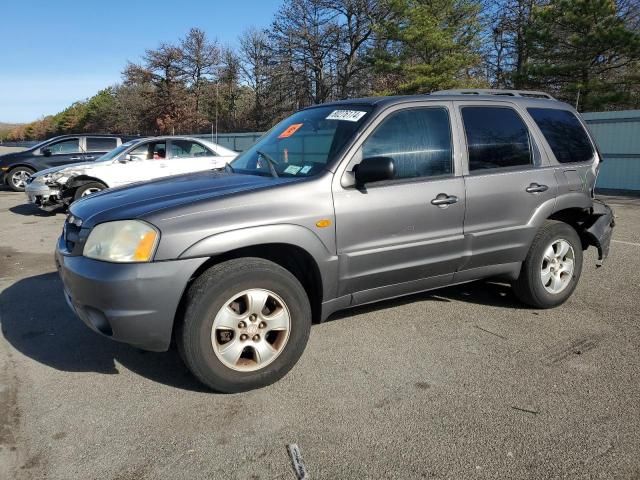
43	195
134	303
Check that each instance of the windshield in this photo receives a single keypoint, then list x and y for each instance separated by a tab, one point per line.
39	144
303	144
114	153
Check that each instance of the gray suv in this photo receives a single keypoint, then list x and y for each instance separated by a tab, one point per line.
339	205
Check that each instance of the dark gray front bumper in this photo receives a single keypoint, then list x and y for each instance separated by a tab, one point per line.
135	303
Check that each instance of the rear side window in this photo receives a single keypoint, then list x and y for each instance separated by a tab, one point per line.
188	149
496	138
564	134
101	144
418	140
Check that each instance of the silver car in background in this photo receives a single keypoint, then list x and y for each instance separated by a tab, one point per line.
135	161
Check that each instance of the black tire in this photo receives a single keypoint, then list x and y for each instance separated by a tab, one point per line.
12	179
208	294
80	191
529	287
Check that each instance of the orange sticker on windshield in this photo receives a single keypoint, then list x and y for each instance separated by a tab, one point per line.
291	129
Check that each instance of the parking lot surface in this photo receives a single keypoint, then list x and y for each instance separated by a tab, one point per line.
463	382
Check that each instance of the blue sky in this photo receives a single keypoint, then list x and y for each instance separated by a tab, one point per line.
56	52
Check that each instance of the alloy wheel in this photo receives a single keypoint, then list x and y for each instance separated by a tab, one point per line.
558	263
19	178
251	330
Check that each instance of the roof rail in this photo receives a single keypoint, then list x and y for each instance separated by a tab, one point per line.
499	92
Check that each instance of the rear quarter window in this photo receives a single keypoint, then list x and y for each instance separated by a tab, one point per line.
101	144
496	138
564	134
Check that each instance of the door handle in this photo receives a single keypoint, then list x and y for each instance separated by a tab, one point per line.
75	158
442	200
535	188
90	157
163	165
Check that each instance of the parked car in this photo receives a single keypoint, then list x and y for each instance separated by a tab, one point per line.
17	167
134	161
339	205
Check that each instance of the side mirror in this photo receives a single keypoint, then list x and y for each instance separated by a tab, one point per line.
374	169
125	159
46	151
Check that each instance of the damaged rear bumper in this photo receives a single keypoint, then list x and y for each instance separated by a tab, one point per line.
599	229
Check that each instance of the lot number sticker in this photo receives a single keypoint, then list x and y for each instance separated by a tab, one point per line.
346	115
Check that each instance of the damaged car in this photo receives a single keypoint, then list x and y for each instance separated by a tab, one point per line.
339	205
134	161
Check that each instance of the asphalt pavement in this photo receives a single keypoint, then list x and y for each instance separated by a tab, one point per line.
462	382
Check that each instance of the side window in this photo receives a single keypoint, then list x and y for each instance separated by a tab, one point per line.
418	140
496	138
564	134
188	149
150	151
71	145
101	144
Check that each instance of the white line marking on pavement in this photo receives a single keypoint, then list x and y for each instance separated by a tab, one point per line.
626	243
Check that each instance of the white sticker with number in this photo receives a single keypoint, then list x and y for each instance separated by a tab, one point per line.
346	115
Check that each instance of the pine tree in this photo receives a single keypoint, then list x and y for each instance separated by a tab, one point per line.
430	45
583	51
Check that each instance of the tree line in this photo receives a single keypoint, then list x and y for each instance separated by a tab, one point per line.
585	52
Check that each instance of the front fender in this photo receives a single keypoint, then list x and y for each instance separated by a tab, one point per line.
81	179
287	234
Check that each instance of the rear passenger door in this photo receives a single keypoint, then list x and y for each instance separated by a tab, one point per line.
507	180
405	234
187	156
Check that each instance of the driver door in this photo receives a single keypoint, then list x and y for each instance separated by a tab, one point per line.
147	162
392	236
63	152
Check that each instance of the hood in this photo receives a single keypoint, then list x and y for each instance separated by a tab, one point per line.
193	191
6	158
78	168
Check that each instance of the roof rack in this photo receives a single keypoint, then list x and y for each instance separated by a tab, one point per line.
499	92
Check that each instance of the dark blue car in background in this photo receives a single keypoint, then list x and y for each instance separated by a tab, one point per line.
17	167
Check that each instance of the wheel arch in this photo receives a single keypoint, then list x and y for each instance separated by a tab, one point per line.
80	180
577	218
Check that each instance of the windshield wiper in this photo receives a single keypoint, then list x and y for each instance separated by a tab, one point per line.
272	163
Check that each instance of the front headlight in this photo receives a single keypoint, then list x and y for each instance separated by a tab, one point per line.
56	177
125	241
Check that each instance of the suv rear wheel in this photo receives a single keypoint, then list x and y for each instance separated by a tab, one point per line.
246	323
17	178
551	271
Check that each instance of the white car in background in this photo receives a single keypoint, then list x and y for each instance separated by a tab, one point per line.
134	161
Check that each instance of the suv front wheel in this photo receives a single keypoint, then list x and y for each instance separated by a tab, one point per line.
551	271
246	324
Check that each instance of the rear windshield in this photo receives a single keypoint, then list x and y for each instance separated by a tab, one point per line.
564	134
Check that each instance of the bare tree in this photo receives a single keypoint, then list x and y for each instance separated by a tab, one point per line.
256	69
304	34
199	60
